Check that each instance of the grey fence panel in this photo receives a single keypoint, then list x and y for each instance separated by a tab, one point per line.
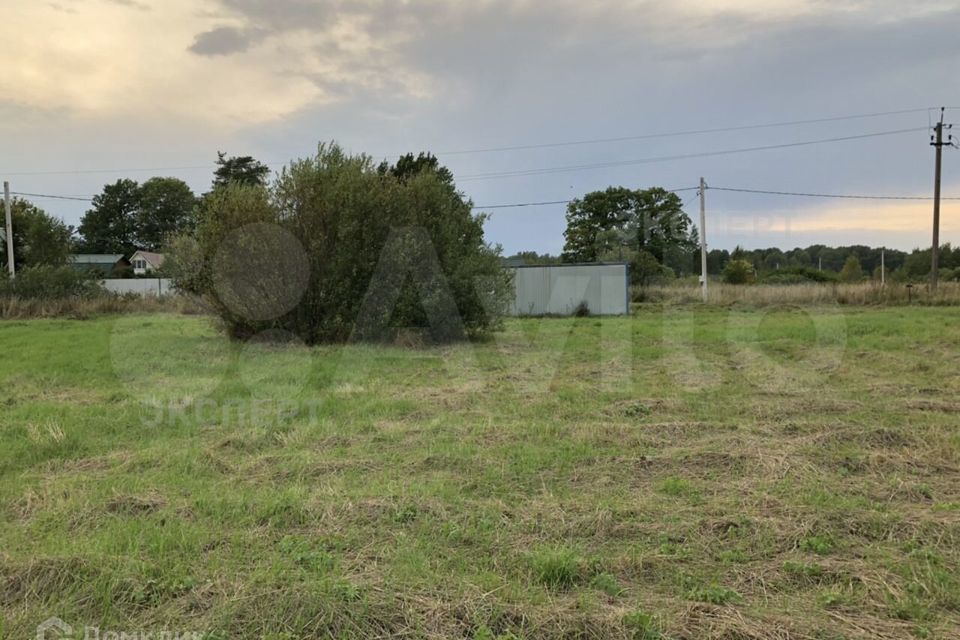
560	289
143	286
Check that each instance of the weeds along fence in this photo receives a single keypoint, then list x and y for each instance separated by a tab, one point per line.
866	294
13	307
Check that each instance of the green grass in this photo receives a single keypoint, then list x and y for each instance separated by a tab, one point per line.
684	473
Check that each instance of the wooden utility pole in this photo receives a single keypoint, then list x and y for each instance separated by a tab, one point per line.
883	267
703	236
937	142
9	228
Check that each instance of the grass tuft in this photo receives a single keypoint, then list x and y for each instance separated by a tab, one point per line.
556	567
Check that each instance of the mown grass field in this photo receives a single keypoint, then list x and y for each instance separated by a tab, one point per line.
685	473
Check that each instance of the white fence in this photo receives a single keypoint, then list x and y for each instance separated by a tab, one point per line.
560	289
143	286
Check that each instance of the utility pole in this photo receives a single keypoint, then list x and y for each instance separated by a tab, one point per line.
937	141
703	236
883	267
9	228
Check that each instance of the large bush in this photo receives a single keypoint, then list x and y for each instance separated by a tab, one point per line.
48	283
339	249
38	237
798	275
738	272
852	271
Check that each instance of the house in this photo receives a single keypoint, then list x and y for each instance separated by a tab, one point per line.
105	264
145	262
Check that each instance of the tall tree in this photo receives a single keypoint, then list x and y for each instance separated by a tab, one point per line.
166	207
244	170
110	225
596	223
646	219
38	238
409	165
852	271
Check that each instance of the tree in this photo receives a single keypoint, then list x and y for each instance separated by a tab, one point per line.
532	257
39	239
799	258
240	169
738	271
717	260
645	219
166	207
338	250
408	166
110	225
917	265
591	219
852	271
774	259
644	268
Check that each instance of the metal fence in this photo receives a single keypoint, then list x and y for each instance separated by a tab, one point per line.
142	286
603	289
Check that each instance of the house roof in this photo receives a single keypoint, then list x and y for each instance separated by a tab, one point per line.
95	258
155	259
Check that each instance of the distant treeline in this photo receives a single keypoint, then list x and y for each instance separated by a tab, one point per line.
900	265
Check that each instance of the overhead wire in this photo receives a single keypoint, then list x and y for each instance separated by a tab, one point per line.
682	156
689	132
52	196
555	202
543	145
805	194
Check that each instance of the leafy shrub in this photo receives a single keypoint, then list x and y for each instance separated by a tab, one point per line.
852	271
738	272
183	263
49	283
798	275
338	249
645	269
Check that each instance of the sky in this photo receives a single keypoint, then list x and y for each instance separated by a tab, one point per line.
96	90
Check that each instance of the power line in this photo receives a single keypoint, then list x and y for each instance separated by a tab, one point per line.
522	204
555	202
518	205
684	156
545	145
121	171
690	132
823	195
48	195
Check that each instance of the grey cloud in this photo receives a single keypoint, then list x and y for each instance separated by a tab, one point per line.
512	72
133	4
61	8
71	6
279	15
225	41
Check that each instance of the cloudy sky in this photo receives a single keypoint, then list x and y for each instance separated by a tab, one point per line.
94	90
